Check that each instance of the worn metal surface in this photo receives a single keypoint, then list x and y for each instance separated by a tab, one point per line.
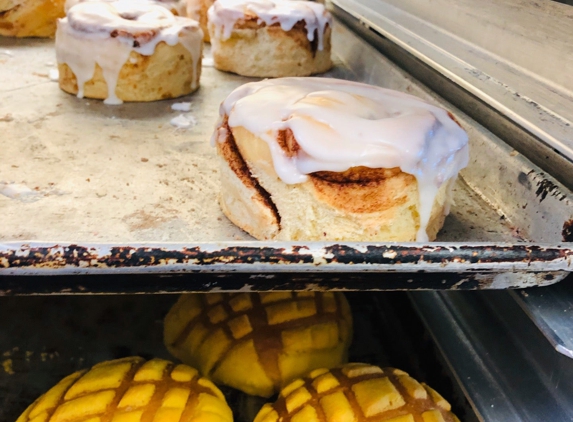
311	256
44	339
285	281
495	51
551	310
507	369
109	185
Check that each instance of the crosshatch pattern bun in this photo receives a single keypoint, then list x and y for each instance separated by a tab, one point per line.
132	390
258	343
357	392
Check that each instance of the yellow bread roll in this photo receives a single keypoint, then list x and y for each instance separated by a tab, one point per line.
327	159
30	18
357	392
132	390
127	51
259	342
270	38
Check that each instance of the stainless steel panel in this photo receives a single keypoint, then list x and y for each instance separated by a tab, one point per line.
551	310
118	190
508	371
497	52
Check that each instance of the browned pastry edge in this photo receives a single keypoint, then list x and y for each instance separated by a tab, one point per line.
31	18
230	152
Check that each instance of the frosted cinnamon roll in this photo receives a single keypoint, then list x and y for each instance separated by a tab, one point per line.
127	51
270	38
326	159
177	7
30	18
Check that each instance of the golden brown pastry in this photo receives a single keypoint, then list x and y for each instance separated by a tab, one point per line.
270	38
259	342
357	393
30	18
131	390
326	159
127	51
197	10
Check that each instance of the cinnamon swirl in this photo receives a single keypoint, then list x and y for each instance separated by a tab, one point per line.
127	51
270	38
30	18
326	159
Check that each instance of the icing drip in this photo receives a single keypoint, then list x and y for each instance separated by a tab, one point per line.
224	14
341	124
176	6
105	33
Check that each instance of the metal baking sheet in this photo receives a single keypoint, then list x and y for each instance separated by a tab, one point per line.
95	189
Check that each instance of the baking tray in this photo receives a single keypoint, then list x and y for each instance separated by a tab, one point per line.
95	189
44	339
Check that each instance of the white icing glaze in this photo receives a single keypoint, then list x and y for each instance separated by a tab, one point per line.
176	6
105	33
225	13
181	106
340	124
54	75
183	121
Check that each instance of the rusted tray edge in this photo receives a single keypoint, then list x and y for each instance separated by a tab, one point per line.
56	258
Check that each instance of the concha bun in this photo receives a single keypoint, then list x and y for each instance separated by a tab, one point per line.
258	343
357	393
130	390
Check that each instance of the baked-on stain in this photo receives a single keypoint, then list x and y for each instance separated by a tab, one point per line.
567	232
59	256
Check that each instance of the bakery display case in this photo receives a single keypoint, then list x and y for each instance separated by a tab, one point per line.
106	209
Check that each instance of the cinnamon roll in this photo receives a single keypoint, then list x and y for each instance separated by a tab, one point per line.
326	159
30	18
127	51
270	38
